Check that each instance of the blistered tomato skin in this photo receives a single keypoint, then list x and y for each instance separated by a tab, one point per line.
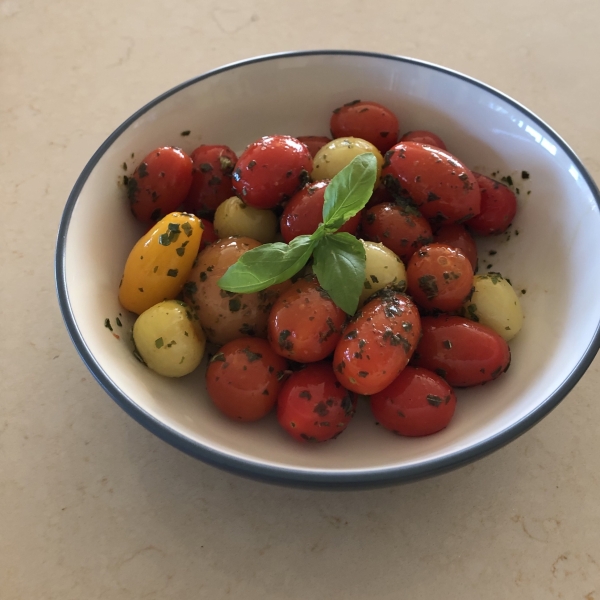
498	207
314	142
305	324
159	184
377	343
442	187
417	403
366	120
439	278
160	262
464	353
456	236
304	212
270	170
312	406
402	230
211	179
421	136
244	378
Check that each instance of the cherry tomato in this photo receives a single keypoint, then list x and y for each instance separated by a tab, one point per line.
434	180
271	170
498	207
439	277
377	343
366	120
244	378
401	229
314	142
304	323
418	402
159	184
304	212
313	406
463	352
456	236
380	195
211	183
422	136
209	236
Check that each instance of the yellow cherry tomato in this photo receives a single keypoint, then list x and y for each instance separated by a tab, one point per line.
338	153
160	262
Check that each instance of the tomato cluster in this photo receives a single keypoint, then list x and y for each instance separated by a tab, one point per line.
290	346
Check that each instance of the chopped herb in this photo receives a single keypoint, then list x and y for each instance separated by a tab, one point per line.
321	408
252	356
143	170
235	304
141	290
472	312
492	252
159	343
524	175
203	276
305	394
187	229
119	322
185	134
374	279
363	373
124	166
284	343
434	400
172	272
428	284
447	344
523	291
219	357
107	324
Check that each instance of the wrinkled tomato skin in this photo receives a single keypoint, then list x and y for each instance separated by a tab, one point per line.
305	325
422	136
208	236
377	343
159	184
314	142
366	120
312	405
402	230
270	170
244	378
304	212
498	207
463	352
211	182
439	278
443	189
456	236
417	403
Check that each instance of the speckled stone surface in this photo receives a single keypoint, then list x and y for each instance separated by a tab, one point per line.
92	505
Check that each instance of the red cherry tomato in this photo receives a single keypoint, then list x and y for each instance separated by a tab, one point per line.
159	184
366	120
463	352
244	378
439	278
304	212
271	170
498	207
401	229
304	323
422	136
377	343
312	405
380	195
208	236
456	236
314	142
437	182
212	183
418	402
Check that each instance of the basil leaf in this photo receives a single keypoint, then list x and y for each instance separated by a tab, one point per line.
267	265
339	264
349	191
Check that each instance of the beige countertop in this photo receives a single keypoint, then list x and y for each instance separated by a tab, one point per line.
94	506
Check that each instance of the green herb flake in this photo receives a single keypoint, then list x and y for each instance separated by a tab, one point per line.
235	304
159	343
172	272
180	251
187	229
219	357
252	356
107	324
428	285
118	321
185	133
524	175
434	400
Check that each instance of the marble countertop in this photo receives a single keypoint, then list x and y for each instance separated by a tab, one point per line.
94	506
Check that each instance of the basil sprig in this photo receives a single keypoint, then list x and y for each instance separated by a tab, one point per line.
339	258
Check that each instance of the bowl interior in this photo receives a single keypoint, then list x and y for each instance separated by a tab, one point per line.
550	252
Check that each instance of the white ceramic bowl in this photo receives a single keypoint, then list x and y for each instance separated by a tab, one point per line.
553	257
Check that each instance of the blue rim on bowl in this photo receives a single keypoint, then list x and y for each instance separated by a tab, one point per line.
291	476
